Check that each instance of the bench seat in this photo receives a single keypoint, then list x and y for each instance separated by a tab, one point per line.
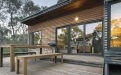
16	53
27	57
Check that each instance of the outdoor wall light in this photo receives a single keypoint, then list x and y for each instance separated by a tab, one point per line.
76	19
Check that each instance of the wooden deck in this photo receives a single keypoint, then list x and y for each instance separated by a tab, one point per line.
43	67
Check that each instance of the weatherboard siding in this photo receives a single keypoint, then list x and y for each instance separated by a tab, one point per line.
48	27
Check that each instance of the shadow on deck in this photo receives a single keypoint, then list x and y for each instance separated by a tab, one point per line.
95	61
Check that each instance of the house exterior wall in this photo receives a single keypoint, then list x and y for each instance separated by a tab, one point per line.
48	27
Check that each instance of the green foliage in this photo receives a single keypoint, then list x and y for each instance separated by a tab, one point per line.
11	12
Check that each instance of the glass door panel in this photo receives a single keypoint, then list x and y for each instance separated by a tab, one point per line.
93	38
62	35
76	39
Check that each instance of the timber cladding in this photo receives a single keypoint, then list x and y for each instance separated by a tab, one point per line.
48	27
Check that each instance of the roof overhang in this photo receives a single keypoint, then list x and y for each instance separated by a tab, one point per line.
65	7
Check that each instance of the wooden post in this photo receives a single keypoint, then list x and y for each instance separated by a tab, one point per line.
12	60
1	57
24	66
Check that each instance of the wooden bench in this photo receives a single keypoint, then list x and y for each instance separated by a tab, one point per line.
27	57
18	53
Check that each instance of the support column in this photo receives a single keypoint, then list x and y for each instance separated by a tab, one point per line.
106	69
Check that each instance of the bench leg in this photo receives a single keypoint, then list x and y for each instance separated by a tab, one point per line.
62	59
55	59
17	65
1	57
24	66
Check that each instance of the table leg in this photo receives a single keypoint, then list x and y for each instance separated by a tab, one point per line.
55	59
17	65
24	66
12	60
62	58
1	57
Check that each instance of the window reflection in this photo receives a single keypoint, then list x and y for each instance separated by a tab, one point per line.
115	36
77	35
62	38
93	37
37	38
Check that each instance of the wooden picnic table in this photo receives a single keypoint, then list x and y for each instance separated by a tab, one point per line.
12	54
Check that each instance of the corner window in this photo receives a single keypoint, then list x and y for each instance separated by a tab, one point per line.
115	25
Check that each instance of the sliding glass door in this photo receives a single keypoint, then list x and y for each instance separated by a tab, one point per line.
82	38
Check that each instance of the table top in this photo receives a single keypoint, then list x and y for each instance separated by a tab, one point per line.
23	46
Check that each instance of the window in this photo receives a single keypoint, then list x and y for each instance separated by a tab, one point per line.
76	38
38	38
81	38
62	38
93	38
115	25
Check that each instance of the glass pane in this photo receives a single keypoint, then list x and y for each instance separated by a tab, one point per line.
115	36
76	42
37	38
93	37
62	38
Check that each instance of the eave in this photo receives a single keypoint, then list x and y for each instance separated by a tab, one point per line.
64	8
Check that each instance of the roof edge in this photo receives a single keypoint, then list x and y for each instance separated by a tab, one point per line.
56	6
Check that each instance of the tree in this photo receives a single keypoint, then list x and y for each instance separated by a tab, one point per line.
12	7
29	8
4	34
76	32
11	12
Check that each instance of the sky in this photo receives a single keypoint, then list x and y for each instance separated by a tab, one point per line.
116	11
47	3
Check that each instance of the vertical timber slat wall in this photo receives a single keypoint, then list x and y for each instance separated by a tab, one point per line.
48	27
